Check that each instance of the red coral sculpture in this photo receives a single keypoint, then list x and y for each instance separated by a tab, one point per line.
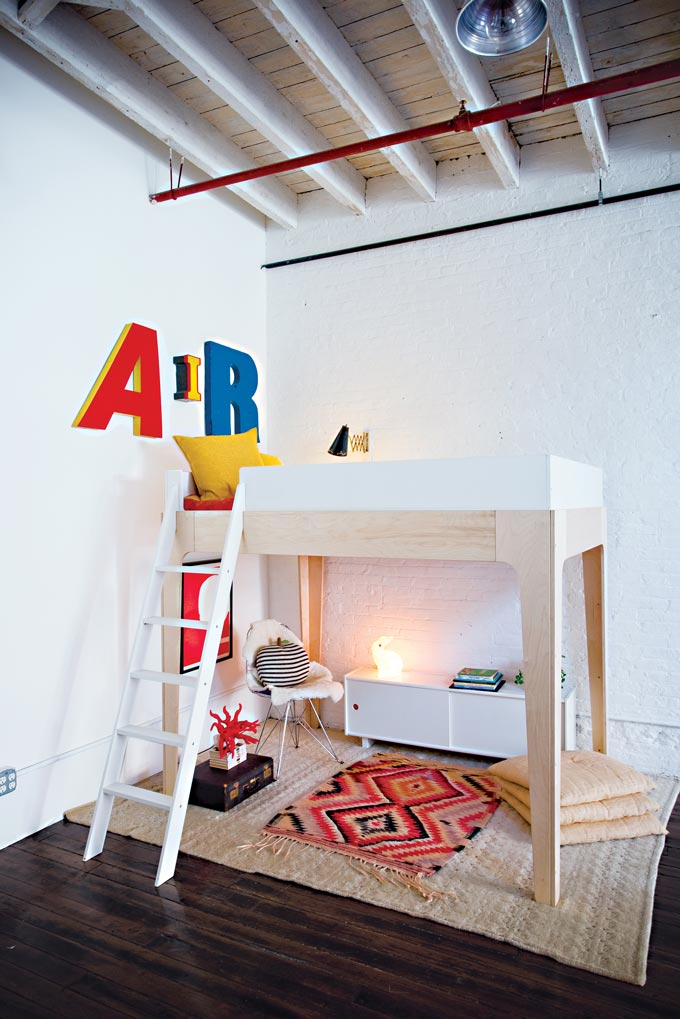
229	730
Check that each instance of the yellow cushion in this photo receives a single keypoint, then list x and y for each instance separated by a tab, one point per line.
215	460
598	831
270	461
585	776
598	810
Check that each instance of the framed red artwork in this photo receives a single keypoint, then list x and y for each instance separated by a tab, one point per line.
198	591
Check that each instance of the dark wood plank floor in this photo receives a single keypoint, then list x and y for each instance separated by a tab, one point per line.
97	939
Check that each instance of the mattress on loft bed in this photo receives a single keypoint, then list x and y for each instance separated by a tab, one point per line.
470	483
194	502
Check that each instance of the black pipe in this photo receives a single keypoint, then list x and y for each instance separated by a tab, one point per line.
448	231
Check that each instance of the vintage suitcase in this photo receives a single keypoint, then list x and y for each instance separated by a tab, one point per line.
218	789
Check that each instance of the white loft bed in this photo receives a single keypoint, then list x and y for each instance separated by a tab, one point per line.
533	512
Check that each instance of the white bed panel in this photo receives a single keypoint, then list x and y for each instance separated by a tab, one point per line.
537	482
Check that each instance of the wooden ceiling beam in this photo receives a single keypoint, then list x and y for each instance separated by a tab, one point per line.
463	73
87	55
310	32
569	36
32	12
181	29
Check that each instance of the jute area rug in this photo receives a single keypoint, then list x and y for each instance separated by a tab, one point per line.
603	921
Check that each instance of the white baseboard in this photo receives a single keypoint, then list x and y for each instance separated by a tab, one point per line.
46	789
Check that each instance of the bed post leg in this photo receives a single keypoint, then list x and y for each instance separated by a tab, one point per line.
594	593
172	606
310	577
532	542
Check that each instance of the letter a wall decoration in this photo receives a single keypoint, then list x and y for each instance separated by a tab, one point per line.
134	355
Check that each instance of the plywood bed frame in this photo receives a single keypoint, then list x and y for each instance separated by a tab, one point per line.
533	512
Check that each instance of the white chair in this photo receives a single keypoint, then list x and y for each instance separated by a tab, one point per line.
288	703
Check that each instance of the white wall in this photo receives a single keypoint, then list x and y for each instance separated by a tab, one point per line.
84	253
557	335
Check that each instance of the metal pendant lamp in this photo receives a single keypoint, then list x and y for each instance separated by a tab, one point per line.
493	28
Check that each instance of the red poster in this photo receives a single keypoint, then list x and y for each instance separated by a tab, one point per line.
198	591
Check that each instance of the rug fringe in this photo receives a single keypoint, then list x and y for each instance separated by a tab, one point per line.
397	878
278	844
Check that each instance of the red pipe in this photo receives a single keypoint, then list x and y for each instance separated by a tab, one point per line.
465	121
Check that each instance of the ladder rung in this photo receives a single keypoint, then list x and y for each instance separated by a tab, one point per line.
145	732
189	624
134	792
175	678
212	571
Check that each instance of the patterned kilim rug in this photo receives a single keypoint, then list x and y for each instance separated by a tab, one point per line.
394	811
602	923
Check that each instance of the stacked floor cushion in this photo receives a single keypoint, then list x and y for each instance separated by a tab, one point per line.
600	798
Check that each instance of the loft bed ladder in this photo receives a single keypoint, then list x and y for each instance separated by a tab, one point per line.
188	744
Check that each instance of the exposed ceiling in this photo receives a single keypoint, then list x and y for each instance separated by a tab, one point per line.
231	84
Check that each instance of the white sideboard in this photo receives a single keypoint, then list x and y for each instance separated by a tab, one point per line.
420	709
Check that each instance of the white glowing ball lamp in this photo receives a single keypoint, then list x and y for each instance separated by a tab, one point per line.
388	663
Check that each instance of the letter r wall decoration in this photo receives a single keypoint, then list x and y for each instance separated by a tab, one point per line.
135	355
230	382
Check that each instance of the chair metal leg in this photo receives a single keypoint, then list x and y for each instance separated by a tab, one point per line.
329	748
263	726
295	720
283	739
294	713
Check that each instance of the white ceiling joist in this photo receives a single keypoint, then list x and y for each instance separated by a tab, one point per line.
32	12
83	52
463	73
569	37
180	28
310	32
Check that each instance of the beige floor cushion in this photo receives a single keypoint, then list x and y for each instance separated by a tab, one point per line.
631	805
586	776
598	831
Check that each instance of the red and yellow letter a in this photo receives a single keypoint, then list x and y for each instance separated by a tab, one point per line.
135	354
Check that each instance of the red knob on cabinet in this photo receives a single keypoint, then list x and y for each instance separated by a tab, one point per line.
356	707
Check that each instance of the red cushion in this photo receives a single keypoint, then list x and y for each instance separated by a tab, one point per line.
194	502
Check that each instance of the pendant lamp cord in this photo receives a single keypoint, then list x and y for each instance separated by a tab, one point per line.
546	71
179	175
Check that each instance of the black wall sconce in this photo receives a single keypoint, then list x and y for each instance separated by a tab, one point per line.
343	441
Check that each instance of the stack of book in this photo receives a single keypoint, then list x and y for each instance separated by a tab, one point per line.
487	680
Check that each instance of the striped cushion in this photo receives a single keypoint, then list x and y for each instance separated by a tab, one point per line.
282	664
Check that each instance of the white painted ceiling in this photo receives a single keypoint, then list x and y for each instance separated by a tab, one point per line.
231	84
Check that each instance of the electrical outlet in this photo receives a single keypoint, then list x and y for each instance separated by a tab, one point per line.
8	780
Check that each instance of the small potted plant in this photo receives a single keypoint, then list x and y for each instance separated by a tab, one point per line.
519	678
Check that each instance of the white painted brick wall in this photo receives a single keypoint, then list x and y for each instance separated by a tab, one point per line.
553	336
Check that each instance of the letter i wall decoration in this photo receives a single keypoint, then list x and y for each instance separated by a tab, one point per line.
186	374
